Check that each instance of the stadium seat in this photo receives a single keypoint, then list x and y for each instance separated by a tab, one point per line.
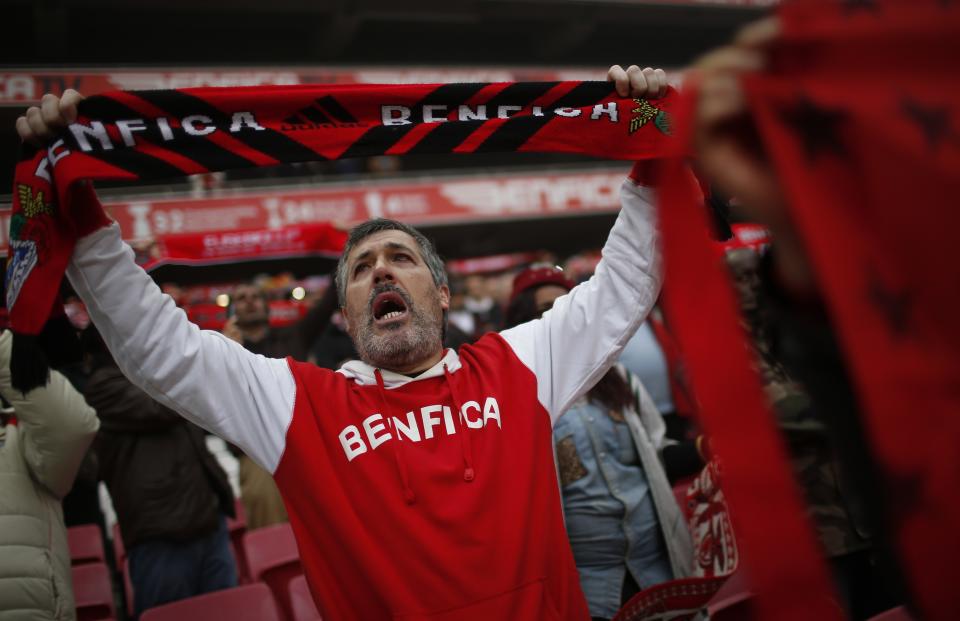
250	602
93	592
301	601
86	544
273	558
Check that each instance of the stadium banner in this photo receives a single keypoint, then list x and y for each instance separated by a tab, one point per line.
317	239
449	200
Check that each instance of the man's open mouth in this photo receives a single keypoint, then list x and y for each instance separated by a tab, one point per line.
389	306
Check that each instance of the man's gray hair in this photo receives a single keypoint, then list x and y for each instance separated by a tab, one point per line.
368	228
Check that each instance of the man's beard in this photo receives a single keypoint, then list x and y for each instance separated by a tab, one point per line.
398	347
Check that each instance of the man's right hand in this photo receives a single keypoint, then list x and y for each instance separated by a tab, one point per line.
42	123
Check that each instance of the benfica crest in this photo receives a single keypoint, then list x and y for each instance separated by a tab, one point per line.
26	232
646	112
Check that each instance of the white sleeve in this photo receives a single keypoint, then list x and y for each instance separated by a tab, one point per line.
575	342
211	380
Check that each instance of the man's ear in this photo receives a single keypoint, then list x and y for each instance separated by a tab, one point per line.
444	297
346	320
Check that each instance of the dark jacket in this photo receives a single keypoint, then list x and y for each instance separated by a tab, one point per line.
164	483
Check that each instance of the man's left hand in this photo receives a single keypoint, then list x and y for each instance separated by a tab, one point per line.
636	82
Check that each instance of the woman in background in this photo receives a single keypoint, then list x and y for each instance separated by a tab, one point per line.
625	528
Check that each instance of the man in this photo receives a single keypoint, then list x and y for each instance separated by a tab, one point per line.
169	491
250	325
420	482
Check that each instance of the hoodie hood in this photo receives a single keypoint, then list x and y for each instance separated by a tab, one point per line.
365	375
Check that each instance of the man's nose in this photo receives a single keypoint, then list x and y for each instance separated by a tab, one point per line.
382	273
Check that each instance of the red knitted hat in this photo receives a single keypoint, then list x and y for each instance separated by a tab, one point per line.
537	275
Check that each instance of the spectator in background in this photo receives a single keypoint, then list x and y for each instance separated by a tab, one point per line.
625	528
334	347
644	357
652	356
42	442
487	315
249	324
170	493
834	506
458	315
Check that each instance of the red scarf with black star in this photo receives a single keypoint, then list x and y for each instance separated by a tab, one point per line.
859	113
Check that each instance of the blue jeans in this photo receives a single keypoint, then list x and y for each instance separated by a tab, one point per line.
167	571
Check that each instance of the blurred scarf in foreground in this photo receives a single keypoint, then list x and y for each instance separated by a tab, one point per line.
860	115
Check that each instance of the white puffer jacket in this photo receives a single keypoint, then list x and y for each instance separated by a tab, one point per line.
39	457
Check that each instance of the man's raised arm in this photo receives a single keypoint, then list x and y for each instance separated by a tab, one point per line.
577	341
209	379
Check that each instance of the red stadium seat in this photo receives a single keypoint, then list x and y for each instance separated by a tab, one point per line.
301	601
250	602
86	544
93	592
273	558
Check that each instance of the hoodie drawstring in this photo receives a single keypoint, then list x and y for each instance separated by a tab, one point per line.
466	446
398	459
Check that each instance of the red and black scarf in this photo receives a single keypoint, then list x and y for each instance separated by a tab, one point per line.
149	135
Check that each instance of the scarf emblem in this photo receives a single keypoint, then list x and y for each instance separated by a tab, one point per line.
27	229
646	112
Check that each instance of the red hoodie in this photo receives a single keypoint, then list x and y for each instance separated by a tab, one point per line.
432	497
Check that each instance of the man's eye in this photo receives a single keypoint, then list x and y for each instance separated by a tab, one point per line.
403	257
359	269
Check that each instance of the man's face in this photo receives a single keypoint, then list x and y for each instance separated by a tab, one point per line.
249	306
393	311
